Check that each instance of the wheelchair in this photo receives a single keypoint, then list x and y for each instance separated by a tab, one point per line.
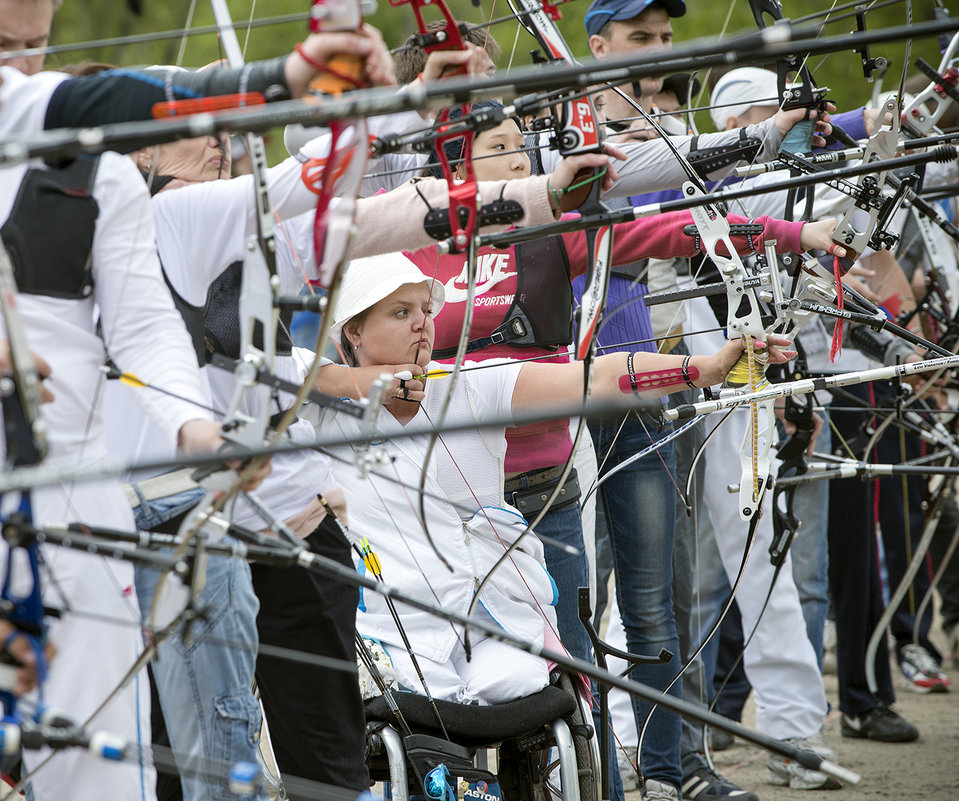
524	733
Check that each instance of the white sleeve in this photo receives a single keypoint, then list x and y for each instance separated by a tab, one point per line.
203	228
143	331
652	166
492	389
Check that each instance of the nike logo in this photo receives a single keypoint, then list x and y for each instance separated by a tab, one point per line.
491	269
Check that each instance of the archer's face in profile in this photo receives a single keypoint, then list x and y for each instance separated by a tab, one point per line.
205	158
499	154
397	330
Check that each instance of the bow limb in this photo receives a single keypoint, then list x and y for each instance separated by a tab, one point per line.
937	576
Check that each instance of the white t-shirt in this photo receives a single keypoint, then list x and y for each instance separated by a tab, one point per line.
464	509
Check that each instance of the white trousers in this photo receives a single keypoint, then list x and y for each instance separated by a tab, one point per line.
780	662
97	640
495	673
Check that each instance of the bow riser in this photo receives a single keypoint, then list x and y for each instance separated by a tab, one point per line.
744	320
916	117
883	142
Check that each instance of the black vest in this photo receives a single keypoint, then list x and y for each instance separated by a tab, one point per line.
215	326
49	233
541	314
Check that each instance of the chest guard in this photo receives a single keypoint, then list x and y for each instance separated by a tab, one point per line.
193	319
221	318
49	233
541	314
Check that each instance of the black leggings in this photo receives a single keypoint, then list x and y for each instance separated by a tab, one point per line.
315	713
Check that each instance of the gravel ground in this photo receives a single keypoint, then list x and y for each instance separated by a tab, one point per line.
927	769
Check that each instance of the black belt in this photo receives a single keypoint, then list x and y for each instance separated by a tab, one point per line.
529	491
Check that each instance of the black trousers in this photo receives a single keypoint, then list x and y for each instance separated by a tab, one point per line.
902	521
854	583
315	712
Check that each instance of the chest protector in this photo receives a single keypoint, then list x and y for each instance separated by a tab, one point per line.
221	318
541	314
49	233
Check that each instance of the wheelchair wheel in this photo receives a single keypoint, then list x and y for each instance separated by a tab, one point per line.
588	763
528	772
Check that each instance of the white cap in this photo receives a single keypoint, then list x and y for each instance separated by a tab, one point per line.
741	89
370	280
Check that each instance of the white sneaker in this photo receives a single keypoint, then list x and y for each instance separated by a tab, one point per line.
817	742
660	791
921	672
784	772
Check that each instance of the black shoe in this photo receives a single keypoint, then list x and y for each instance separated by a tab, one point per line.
704	784
881	724
720	740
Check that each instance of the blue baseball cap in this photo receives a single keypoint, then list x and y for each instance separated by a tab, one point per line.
602	11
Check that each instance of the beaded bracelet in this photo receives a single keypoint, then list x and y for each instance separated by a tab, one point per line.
689	383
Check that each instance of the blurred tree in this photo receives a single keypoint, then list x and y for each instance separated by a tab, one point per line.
84	20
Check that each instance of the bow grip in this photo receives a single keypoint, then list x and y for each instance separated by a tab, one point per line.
341	73
799	138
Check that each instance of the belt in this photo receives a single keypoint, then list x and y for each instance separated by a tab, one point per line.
528	492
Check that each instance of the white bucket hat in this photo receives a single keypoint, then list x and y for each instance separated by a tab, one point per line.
741	89
368	281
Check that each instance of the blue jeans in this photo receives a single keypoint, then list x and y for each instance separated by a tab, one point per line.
212	718
810	550
570	572
637	506
692	565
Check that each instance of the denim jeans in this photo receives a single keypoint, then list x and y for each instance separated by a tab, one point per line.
637	506
810	550
570	572
212	718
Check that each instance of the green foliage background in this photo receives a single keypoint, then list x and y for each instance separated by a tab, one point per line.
85	20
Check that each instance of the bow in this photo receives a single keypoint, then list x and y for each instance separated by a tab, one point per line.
258	316
26	443
804	94
576	131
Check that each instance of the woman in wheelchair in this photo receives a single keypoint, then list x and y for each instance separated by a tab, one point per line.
383	320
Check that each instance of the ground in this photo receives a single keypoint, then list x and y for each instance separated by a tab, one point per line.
927	769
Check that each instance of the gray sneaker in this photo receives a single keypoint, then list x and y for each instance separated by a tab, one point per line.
660	791
784	772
